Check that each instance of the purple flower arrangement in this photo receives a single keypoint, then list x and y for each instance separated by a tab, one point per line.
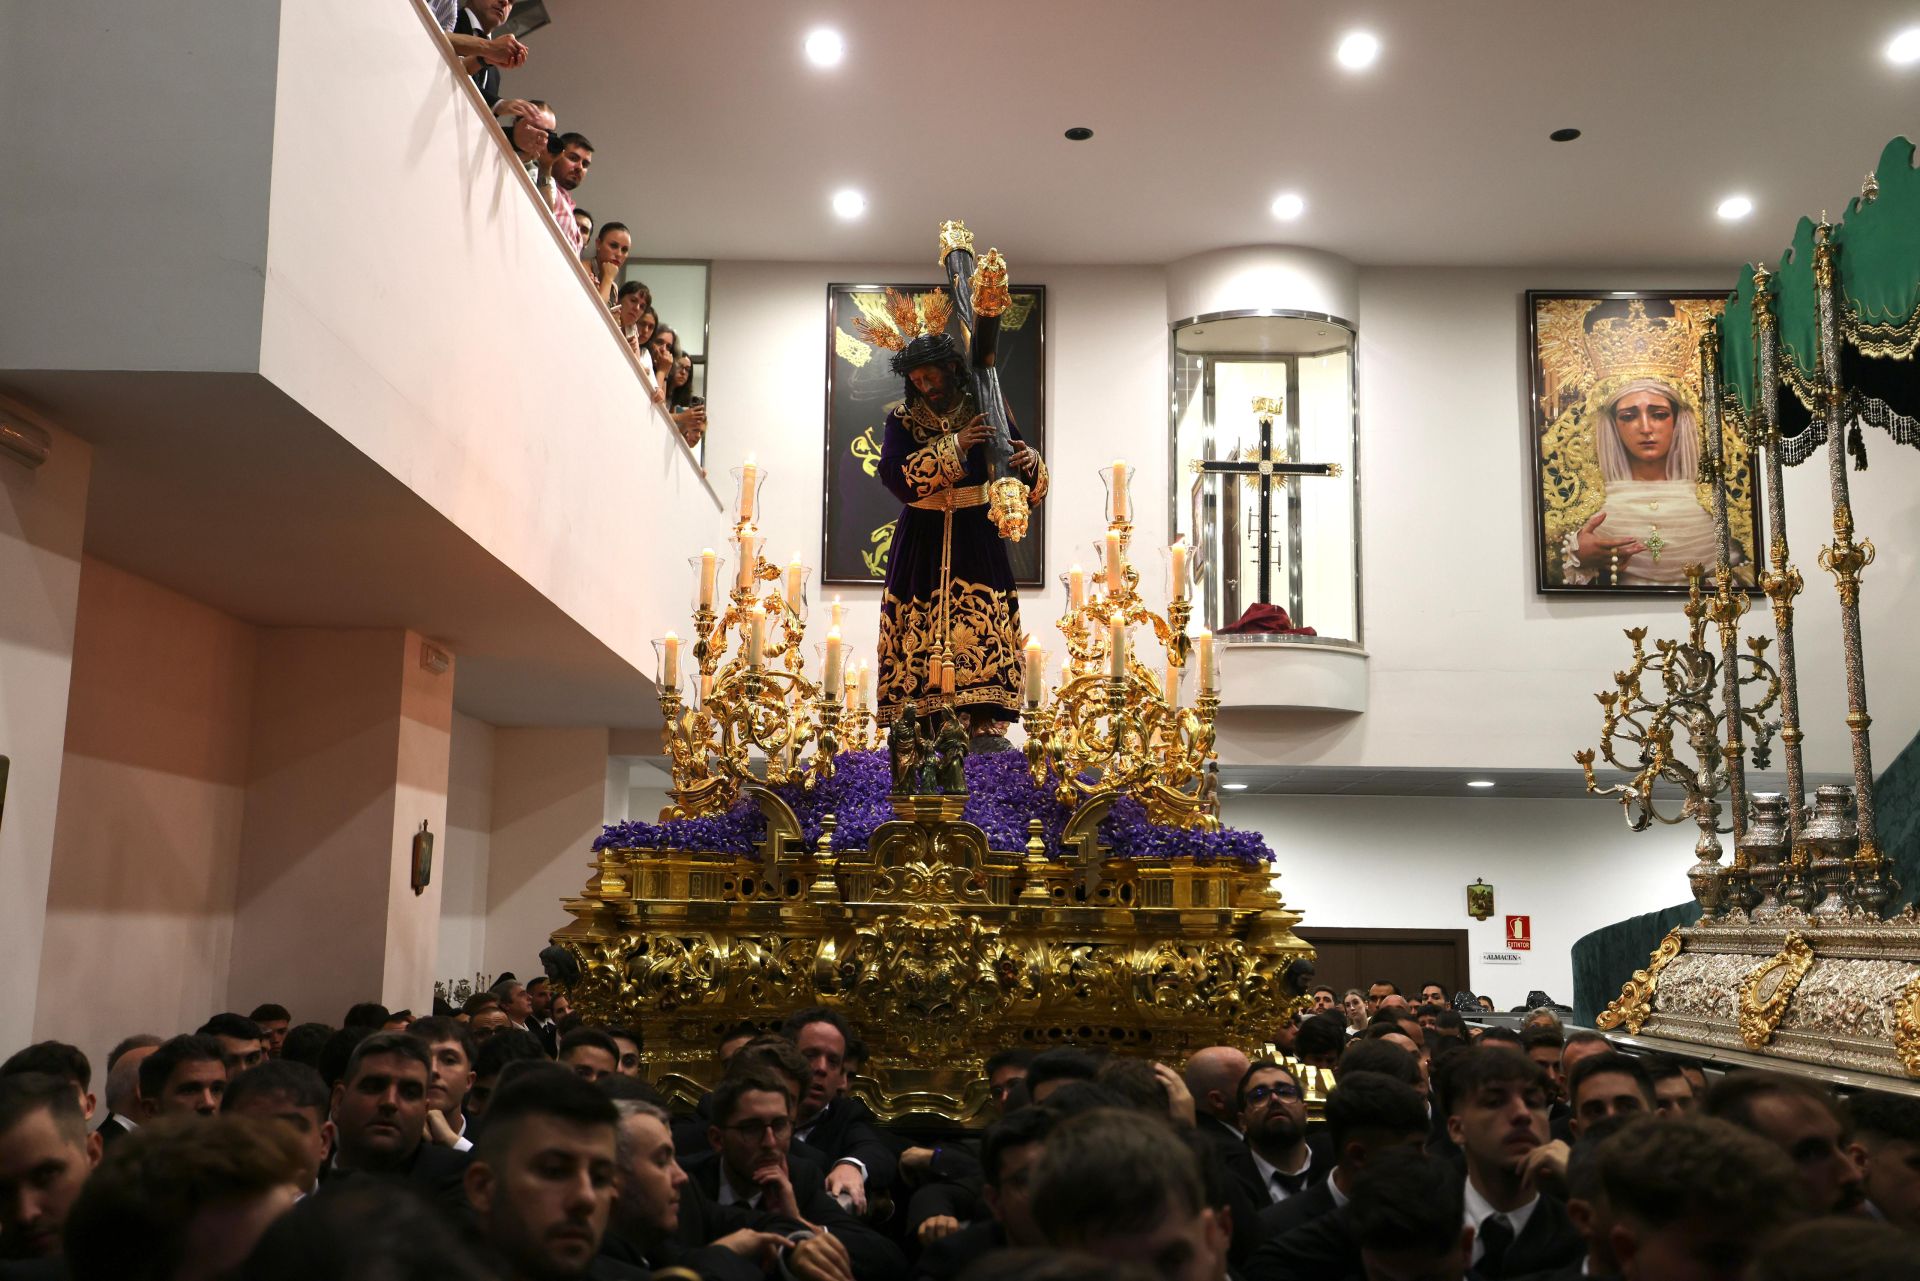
1001	798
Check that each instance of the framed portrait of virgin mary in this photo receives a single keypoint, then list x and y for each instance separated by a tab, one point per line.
857	511
1615	423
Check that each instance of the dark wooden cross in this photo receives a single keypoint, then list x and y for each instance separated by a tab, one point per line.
1269	466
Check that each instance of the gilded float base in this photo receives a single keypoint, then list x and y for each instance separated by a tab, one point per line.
930	942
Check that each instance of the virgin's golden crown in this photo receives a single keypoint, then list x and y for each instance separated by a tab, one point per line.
1641	345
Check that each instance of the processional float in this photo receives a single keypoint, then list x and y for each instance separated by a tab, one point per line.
1795	954
951	903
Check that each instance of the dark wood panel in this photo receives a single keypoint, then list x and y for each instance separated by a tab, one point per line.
1407	958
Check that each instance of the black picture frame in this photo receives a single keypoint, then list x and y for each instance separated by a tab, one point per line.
1556	415
855	507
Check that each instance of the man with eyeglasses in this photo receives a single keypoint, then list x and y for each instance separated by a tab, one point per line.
1273	1116
750	1165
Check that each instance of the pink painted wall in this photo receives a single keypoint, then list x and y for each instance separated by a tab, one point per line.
147	847
341	770
41	516
550	796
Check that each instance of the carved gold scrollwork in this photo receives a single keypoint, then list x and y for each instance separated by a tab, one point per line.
1764	994
1634	1006
1906	1026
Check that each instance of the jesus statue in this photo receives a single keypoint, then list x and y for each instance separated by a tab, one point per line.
950	618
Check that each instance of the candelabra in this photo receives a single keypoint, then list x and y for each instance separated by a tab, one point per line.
1638	737
750	690
1113	726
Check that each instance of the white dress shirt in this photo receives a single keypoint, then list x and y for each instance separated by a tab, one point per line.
1479	1209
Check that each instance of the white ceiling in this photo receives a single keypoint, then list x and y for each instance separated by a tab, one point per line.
716	139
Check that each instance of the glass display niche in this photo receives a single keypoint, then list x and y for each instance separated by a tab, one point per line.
1270	509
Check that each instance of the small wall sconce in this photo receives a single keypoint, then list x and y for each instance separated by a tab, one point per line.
24	443
1479	900
422	858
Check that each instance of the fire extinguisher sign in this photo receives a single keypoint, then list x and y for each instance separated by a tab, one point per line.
1519	933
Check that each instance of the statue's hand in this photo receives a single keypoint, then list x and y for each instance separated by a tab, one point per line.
975	432
1026	460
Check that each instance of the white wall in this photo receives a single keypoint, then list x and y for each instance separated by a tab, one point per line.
463	865
534	436
41	516
114	113
1404	862
146	856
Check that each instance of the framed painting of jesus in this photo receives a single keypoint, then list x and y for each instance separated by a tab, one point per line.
858	511
1617	432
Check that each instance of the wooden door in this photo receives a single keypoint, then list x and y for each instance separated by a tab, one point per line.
1407	958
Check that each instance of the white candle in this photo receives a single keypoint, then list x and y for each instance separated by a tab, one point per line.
1203	658
834	668
1113	562
839	612
795	578
1177	564
756	635
1076	588
709	574
1117	648
1119	490
670	661
849	684
748	557
749	482
865	697
1036	672
1173	686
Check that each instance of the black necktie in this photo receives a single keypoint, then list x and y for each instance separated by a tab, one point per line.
1496	1236
1291	1184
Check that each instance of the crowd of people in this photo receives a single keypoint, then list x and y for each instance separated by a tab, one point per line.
514	1140
557	163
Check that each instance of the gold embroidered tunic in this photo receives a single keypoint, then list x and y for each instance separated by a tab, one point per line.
948	577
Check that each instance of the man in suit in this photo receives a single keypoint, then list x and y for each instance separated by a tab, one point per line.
1273	1114
660	1218
1367	1114
1497	1112
1886	1146
1008	1156
184	1076
379	1113
750	1164
1803	1119
46	1155
123	1086
864	1164
1606	1085
1213	1078
1686	1190
541	1184
1406	1219
1124	1185
293	1095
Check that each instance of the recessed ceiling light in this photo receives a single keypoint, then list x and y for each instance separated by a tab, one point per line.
1079	133
849	203
1233	787
825	47
1288	206
1357	50
1479	782
1904	49
1734	208
1563	135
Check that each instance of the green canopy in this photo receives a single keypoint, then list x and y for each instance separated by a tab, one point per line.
1879	264
1877	270
1739	401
